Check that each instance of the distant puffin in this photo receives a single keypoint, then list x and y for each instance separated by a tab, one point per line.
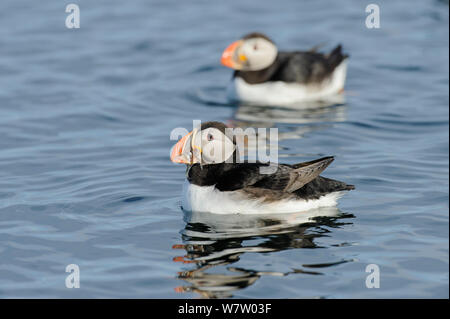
264	76
218	183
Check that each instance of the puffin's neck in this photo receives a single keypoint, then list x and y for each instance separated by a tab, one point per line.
205	175
260	76
210	174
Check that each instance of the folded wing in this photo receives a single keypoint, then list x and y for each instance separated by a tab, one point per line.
286	178
304	173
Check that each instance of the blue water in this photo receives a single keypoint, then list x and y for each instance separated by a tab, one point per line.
85	175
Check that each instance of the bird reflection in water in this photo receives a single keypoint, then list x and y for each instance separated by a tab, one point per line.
211	241
331	109
297	120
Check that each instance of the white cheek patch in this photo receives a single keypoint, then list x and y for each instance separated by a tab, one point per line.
218	150
212	152
262	57
229	149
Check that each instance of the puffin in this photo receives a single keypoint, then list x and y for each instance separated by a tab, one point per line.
218	182
265	76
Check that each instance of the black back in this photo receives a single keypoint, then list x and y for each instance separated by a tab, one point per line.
300	67
247	177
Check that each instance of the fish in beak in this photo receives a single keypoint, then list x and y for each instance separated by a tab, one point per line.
229	56
185	151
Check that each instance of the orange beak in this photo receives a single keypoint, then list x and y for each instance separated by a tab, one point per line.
229	54
177	155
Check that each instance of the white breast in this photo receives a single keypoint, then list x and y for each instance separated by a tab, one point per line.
209	199
282	93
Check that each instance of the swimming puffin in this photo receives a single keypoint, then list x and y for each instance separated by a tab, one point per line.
265	76
217	182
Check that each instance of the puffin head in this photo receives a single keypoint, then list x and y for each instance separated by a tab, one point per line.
208	144
253	52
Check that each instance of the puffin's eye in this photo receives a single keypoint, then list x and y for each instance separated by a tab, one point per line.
255	47
210	137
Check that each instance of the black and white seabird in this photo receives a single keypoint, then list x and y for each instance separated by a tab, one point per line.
218	183
265	76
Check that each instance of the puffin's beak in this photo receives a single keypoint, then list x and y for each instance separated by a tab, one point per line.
229	54
181	150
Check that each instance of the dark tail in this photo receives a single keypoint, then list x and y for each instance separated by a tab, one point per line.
321	186
336	57
332	185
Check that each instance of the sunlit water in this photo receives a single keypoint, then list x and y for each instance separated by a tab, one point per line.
85	175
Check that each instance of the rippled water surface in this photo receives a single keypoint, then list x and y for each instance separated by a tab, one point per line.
85	175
